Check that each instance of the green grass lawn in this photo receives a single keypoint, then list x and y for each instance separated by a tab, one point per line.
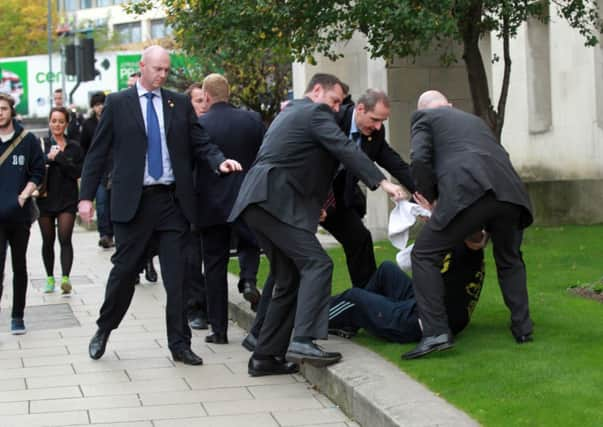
555	381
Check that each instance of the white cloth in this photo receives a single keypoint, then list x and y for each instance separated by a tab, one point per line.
401	218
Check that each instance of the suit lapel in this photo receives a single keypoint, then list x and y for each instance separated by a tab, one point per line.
134	106
168	106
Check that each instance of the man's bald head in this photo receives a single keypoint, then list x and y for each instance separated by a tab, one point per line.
154	67
154	51
432	99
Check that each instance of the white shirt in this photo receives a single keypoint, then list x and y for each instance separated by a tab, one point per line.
168	173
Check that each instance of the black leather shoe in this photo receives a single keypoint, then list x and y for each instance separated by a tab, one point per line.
428	345
250	342
187	357
98	343
272	366
309	352
217	338
522	339
197	322
106	242
346	332
149	272
250	293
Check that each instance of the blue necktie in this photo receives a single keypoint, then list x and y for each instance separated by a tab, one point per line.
154	139
356	138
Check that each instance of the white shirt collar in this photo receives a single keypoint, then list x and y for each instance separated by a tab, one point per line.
142	91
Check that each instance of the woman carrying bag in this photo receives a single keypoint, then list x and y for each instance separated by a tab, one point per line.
58	201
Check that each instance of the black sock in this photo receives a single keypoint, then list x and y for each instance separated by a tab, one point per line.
303	339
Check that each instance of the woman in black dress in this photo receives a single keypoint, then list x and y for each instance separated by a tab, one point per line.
64	159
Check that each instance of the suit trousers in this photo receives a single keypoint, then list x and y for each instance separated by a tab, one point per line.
216	253
158	215
263	305
302	273
103	211
385	307
346	225
197	301
502	221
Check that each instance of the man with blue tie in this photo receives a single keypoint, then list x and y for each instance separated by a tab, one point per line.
154	136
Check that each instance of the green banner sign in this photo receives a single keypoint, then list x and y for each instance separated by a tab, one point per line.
129	64
126	65
13	80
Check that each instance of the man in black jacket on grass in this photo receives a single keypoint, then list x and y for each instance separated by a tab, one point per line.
457	159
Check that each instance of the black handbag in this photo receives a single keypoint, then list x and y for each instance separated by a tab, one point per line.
42	190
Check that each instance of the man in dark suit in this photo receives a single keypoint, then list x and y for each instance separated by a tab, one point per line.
238	133
456	159
152	184
363	124
280	199
346	204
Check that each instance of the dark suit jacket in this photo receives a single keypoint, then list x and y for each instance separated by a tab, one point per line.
377	149
238	134
121	129
292	173
461	152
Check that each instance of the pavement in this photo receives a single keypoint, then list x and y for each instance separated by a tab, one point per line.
48	379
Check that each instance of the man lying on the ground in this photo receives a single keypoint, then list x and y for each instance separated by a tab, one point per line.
386	306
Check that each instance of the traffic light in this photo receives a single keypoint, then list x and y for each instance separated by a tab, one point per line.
70	68
86	60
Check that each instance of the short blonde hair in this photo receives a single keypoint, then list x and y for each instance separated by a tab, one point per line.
216	86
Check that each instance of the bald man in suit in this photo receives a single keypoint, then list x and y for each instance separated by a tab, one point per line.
154	136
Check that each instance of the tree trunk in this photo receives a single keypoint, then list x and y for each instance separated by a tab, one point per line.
504	90
476	72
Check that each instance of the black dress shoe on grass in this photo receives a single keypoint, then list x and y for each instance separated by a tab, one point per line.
522	339
216	338
187	357
250	342
197	322
250	293
98	343
429	345
310	353
271	366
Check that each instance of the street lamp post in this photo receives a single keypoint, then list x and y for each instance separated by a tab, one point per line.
50	50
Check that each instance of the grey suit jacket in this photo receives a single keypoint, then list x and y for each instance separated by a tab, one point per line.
466	161
121	131
297	161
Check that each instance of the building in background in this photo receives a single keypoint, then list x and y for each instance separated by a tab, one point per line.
554	116
132	30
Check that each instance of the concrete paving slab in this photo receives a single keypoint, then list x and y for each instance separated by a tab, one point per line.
47	379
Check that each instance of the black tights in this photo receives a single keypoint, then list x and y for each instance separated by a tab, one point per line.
65	222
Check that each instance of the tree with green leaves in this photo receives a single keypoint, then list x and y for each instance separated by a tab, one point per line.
410	28
241	32
228	37
24	27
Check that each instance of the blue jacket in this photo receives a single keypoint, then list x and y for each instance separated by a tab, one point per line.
24	164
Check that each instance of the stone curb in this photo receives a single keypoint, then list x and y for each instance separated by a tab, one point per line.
370	390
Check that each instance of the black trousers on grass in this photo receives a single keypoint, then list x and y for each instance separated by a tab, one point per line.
502	221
